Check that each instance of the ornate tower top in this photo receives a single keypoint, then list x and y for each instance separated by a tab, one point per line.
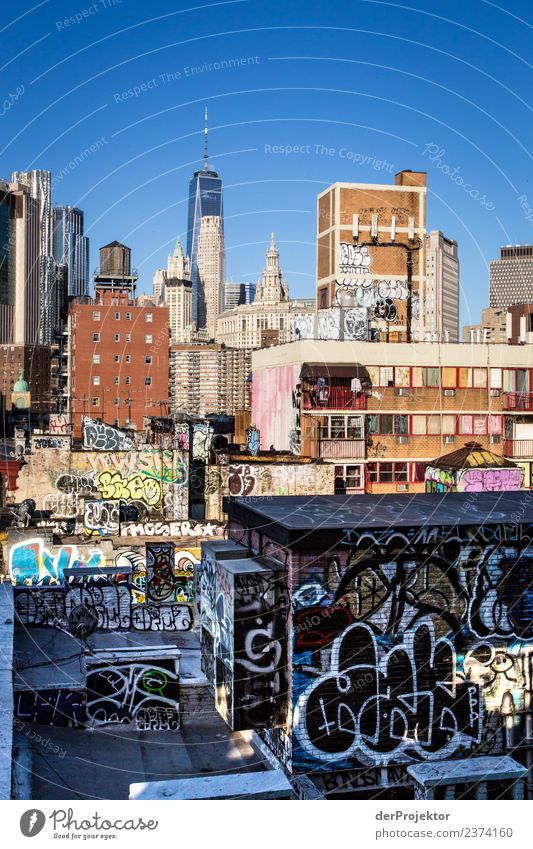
271	288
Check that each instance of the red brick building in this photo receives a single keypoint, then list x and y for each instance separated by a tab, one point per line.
118	354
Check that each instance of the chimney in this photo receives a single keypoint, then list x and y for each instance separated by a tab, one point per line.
410	178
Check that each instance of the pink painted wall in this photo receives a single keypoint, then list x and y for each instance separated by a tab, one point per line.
272	410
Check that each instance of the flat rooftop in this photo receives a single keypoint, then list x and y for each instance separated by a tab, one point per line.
319	521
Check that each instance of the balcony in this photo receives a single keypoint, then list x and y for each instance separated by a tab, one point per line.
337	449
518	401
518	448
334	398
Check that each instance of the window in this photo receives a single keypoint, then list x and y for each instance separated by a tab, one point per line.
128	316
116	402
96	315
96	337
117	316
95	402
96	359
128	358
419	425
117	337
128	337
388	472
117	358
127	380
148	338
147	381
96	380
387	424
480	378
148	316
449	378
353	476
402	376
117	381
148	360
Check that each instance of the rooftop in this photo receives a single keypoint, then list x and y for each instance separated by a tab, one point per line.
322	520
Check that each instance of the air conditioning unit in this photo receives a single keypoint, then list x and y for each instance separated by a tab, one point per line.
402	487
495	393
449	393
495	439
403	391
449	440
402	440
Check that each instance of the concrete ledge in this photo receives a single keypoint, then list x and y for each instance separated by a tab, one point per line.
469	770
271	784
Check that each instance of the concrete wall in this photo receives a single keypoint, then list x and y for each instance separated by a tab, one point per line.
149	480
246	478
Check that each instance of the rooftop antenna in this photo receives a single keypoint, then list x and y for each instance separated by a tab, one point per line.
206	156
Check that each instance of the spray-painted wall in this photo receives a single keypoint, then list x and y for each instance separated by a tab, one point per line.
145	482
243	478
408	645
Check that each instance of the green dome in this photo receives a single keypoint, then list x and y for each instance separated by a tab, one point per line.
21	385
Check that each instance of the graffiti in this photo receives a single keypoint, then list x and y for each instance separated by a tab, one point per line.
39	606
502	595
32	563
181	435
303	327
82	621
173	529
241	480
295	435
202	441
161	617
317	627
111	603
58	423
22	513
386	310
78	484
98	436
160	571
144	694
134	511
329	324
354	259
62	442
490	480
132	488
411	704
61	505
356	324
65	708
253	440
102	516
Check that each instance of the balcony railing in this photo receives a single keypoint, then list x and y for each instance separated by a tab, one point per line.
335	449
335	398
518	448
518	401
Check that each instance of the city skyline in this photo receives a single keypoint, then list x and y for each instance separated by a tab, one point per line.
276	145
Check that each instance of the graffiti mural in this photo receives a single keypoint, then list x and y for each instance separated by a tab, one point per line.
159	571
59	442
142	693
161	617
490	480
253	440
109	604
132	488
58	423
32	563
202	442
408	703
173	529
98	436
34	606
102	517
61	707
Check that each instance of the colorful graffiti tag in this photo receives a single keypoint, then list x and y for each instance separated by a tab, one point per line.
32	563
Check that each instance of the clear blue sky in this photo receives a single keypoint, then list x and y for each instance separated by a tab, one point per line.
379	81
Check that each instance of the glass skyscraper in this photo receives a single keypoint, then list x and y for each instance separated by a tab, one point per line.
205	199
71	248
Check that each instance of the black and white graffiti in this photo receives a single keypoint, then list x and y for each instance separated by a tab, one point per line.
103	517
98	436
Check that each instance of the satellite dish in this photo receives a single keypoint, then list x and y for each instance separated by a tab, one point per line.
82	620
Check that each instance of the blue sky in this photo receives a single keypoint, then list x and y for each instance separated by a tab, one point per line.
358	89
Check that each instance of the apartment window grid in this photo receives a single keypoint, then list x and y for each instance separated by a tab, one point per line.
436	424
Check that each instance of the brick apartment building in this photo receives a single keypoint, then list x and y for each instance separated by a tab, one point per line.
118	354
382	412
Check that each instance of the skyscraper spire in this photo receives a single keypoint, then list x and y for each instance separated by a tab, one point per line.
206	155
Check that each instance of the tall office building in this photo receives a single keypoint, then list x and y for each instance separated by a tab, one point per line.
367	234
238	294
20	304
39	185
172	288
211	267
511	276
440	320
71	248
205	200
